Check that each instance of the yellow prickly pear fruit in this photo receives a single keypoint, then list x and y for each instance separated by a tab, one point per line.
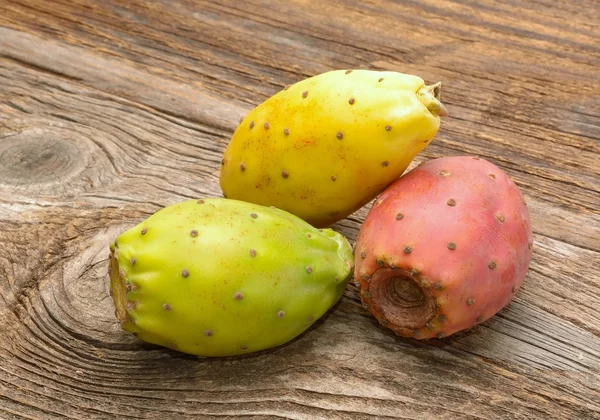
327	145
217	277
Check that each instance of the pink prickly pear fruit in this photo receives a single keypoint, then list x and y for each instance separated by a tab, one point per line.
443	248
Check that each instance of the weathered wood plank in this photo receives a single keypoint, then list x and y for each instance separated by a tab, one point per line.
110	110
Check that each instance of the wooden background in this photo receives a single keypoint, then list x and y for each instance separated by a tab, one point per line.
111	109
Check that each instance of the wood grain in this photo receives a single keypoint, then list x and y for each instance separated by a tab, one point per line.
110	110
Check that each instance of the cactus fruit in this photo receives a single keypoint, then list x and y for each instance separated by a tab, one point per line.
220	277
444	248
327	145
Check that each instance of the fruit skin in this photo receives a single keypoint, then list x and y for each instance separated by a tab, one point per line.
219	277
327	145
444	248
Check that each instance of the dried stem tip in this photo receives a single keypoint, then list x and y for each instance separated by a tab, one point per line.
430	97
399	299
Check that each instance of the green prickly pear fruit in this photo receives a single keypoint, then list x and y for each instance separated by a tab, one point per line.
327	145
221	277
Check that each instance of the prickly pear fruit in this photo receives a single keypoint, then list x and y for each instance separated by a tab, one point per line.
444	248
327	145
219	277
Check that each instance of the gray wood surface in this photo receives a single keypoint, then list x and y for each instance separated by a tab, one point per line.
110	110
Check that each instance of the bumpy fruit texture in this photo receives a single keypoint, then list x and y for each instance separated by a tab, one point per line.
219	277
444	248
327	145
